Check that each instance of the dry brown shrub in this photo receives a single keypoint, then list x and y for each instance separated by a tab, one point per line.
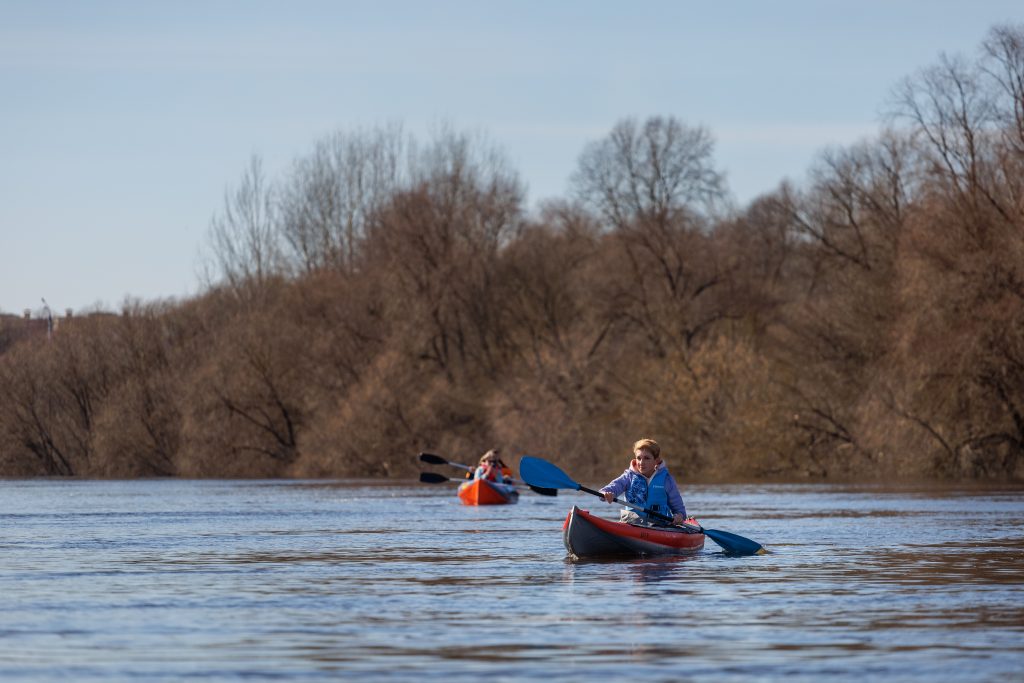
560	420
247	400
377	428
720	411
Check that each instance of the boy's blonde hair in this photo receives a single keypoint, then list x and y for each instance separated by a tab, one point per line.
649	444
493	453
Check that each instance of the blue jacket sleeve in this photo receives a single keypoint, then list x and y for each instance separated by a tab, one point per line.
675	499
617	485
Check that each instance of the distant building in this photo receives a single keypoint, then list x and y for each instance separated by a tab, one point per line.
15	329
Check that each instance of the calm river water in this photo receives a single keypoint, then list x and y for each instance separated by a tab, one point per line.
255	580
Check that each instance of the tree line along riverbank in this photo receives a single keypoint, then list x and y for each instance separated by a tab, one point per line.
386	296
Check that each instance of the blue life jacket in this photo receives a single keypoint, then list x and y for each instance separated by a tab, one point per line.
651	496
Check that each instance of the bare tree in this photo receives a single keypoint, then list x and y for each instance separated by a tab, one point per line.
244	238
332	193
30	414
649	171
960	353
1004	64
139	423
439	245
856	205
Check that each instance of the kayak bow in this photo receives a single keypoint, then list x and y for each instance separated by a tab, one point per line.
483	492
587	535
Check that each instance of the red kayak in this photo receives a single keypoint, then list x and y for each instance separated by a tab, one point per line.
484	492
587	535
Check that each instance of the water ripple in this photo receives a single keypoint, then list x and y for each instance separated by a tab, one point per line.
172	580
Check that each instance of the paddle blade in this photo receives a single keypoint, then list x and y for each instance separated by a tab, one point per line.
541	473
543	491
433	459
735	544
432	478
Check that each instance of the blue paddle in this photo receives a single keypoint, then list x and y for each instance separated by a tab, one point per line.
539	472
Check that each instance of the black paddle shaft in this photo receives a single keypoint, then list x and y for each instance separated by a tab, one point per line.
652	513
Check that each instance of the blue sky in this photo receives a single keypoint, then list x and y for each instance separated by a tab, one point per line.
122	123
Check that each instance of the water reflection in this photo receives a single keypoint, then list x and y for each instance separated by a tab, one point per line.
944	566
642	569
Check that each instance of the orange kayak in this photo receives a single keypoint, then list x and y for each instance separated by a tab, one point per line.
587	535
483	492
